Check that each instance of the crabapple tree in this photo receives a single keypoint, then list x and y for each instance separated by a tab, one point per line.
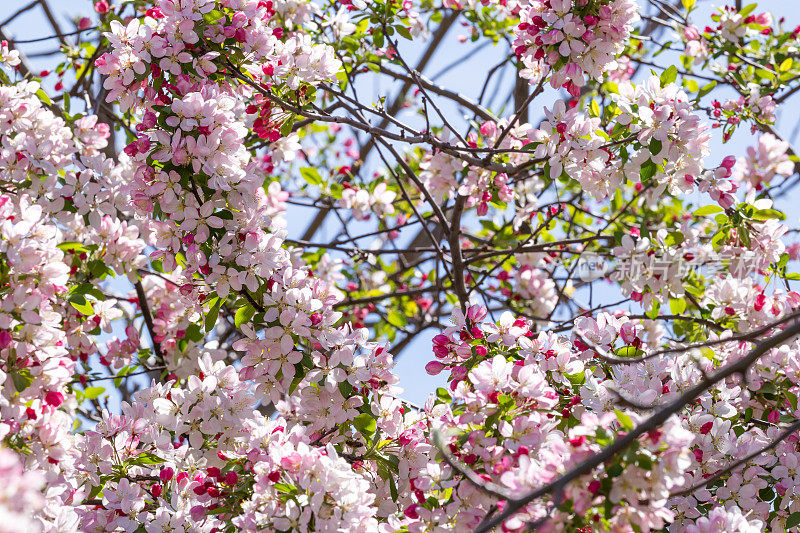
222	222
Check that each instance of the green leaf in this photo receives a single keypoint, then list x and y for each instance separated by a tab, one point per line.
615	470
71	246
345	388
377	39
311	175
655	146
719	237
296	381
396	318
764	73
88	288
505	401
393	488
648	170
792	399
124	371
365	424
285	488
688	4
22	379
243	315
213	16
286	128
708	210
674	238
624	420
577	378
746	10
193	333
669	75
793	520
706	89
90	393
43	97
443	395
402	30
148	459
628	351
786	64
213	313
677	305
95	492
82	305
766	214
98	268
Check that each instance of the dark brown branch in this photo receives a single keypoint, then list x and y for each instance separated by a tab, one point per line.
455	253
148	319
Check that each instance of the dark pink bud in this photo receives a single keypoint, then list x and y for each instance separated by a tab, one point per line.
5	339
411	512
434	367
441	339
54	398
166	474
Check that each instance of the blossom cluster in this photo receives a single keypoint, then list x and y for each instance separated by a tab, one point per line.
655	265
444	175
363	201
670	142
764	162
571	40
544	407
